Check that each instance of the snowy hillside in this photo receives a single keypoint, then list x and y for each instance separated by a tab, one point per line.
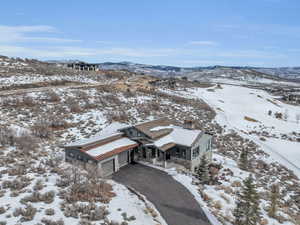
235	104
222	74
38	115
284	72
244	114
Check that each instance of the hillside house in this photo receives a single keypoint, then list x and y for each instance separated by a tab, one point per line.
293	97
158	141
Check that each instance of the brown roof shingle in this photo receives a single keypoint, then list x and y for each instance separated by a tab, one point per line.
147	126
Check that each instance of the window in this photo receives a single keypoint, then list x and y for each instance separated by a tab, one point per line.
196	152
208	145
70	154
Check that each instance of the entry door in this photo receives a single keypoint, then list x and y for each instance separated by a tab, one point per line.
108	167
168	156
123	158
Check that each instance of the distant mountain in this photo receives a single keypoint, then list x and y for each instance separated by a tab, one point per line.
227	74
284	72
64	61
232	74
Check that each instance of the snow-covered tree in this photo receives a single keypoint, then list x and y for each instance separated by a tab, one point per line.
247	211
286	115
203	170
274	198
298	117
270	112
243	160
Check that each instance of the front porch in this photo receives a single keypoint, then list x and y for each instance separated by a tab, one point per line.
175	156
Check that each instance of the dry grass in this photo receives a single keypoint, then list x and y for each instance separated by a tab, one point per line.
251	119
273	102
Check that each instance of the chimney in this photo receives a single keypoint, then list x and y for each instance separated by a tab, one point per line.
189	124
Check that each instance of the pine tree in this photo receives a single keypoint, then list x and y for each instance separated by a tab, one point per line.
243	161
247	211
274	198
203	170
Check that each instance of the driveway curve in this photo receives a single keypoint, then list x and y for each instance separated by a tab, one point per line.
174	202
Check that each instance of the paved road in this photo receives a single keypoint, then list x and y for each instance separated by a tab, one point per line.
174	202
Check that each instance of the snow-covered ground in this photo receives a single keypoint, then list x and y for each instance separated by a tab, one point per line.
123	202
29	79
252	81
234	104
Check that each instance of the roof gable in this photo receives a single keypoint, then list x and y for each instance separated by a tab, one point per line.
147	128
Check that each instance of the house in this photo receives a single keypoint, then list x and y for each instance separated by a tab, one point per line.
158	141
293	97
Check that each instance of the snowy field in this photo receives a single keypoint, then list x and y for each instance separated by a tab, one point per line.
235	104
252	81
29	79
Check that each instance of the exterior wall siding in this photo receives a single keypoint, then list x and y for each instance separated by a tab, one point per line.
202	143
76	154
180	154
132	132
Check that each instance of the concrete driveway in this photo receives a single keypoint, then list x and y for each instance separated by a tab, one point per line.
174	202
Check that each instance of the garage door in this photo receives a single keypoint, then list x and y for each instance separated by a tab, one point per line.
123	158
108	167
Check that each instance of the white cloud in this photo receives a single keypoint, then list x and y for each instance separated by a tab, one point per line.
203	62
251	54
65	51
13	34
203	43
50	40
105	42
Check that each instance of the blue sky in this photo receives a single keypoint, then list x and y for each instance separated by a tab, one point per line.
177	32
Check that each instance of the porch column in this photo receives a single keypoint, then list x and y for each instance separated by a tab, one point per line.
165	160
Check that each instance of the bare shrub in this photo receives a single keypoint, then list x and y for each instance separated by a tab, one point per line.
26	143
87	192
113	99
83	187
50	222
47	197
56	122
16	184
28	101
53	161
81	95
49	212
73	105
2	210
278	115
90	211
52	96
41	129
129	94
17	170
6	136
131	218
117	116
217	205
38	185
89	105
27	213
153	106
